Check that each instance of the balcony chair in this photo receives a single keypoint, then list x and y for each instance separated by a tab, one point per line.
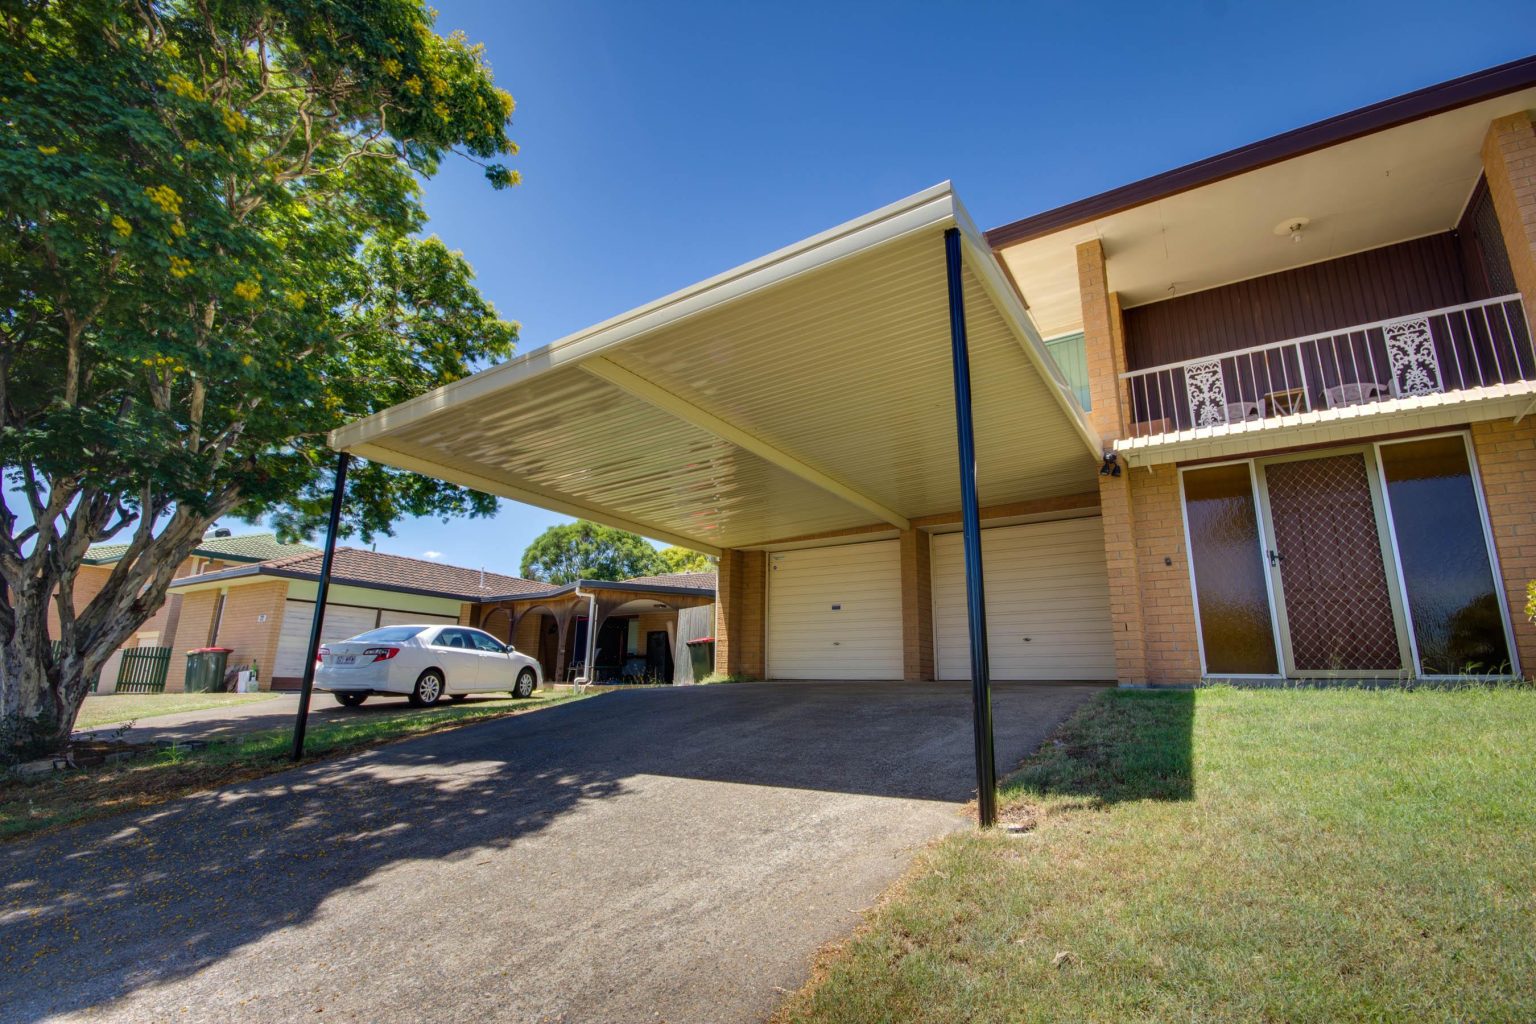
1242	412
1342	395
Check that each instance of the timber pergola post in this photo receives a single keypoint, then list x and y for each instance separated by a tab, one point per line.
338	490
970	517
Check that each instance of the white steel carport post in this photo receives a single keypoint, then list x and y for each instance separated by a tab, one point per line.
970	517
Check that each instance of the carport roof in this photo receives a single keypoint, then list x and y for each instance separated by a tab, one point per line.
805	392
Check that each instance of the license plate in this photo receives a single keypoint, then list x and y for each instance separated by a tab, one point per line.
345	659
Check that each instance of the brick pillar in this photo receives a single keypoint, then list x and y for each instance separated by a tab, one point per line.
1506	461
1104	347
1509	161
1103	342
916	607
1125	607
739	621
1171	647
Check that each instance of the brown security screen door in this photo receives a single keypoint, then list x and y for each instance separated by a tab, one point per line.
1338	608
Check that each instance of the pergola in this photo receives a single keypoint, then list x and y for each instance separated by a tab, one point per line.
826	387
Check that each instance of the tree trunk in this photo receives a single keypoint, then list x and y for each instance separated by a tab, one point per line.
39	697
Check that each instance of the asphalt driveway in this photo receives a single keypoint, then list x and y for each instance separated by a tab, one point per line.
652	855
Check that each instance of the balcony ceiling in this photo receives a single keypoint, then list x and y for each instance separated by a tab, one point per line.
806	392
1390	186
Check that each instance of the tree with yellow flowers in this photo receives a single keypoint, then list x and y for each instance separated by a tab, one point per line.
212	255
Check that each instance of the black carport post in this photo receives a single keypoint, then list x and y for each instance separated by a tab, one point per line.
970	517
307	687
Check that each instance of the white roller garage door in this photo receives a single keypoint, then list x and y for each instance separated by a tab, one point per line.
1047	591
341	621
835	612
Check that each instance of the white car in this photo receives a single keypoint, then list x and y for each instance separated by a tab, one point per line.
423	663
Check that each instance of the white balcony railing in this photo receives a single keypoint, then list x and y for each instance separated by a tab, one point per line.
1476	344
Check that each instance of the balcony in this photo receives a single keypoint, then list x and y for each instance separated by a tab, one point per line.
1476	345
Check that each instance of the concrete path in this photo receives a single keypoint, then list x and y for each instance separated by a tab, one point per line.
656	855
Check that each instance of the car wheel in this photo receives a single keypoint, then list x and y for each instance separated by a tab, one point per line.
524	686
350	700
428	688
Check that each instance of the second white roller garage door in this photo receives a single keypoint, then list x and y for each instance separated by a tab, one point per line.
1047	592
835	612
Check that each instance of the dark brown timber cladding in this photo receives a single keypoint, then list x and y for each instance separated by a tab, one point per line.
1395	280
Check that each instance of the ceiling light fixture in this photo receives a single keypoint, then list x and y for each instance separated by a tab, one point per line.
1292	226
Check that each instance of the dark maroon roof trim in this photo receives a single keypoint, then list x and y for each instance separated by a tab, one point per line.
1436	99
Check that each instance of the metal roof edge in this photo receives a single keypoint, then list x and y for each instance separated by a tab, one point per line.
1008	301
250	571
1440	98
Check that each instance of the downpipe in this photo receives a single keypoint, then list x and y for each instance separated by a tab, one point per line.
582	681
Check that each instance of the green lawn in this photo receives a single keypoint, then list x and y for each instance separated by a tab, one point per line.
1228	855
110	708
29	806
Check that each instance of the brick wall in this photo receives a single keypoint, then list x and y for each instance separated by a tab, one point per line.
1151	603
243	629
240	628
740	620
1506	459
526	638
196	619
88	583
1171	645
1509	161
916	606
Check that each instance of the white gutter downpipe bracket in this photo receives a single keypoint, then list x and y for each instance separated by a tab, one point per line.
585	679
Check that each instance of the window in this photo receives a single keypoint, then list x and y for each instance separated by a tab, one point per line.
1071	356
454	637
389	634
486	642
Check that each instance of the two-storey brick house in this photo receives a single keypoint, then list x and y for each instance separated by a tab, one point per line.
1272	414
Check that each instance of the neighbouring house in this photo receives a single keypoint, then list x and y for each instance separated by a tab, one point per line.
263	611
1272	415
220	549
643	626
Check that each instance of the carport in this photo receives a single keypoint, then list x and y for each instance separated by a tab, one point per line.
814	398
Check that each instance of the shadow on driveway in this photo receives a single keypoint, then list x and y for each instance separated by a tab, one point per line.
142	903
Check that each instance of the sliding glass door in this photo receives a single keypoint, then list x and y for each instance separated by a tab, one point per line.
1226	563
1365	562
1456	618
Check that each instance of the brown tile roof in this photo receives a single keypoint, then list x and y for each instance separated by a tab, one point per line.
691	580
373	568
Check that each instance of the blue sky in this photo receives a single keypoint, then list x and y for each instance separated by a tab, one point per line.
662	143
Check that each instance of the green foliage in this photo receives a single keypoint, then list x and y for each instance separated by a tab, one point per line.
676	559
210	256
583	550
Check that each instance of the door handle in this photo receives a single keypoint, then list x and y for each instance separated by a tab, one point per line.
1275	558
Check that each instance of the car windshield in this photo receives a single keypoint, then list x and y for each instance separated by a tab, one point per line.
389	634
